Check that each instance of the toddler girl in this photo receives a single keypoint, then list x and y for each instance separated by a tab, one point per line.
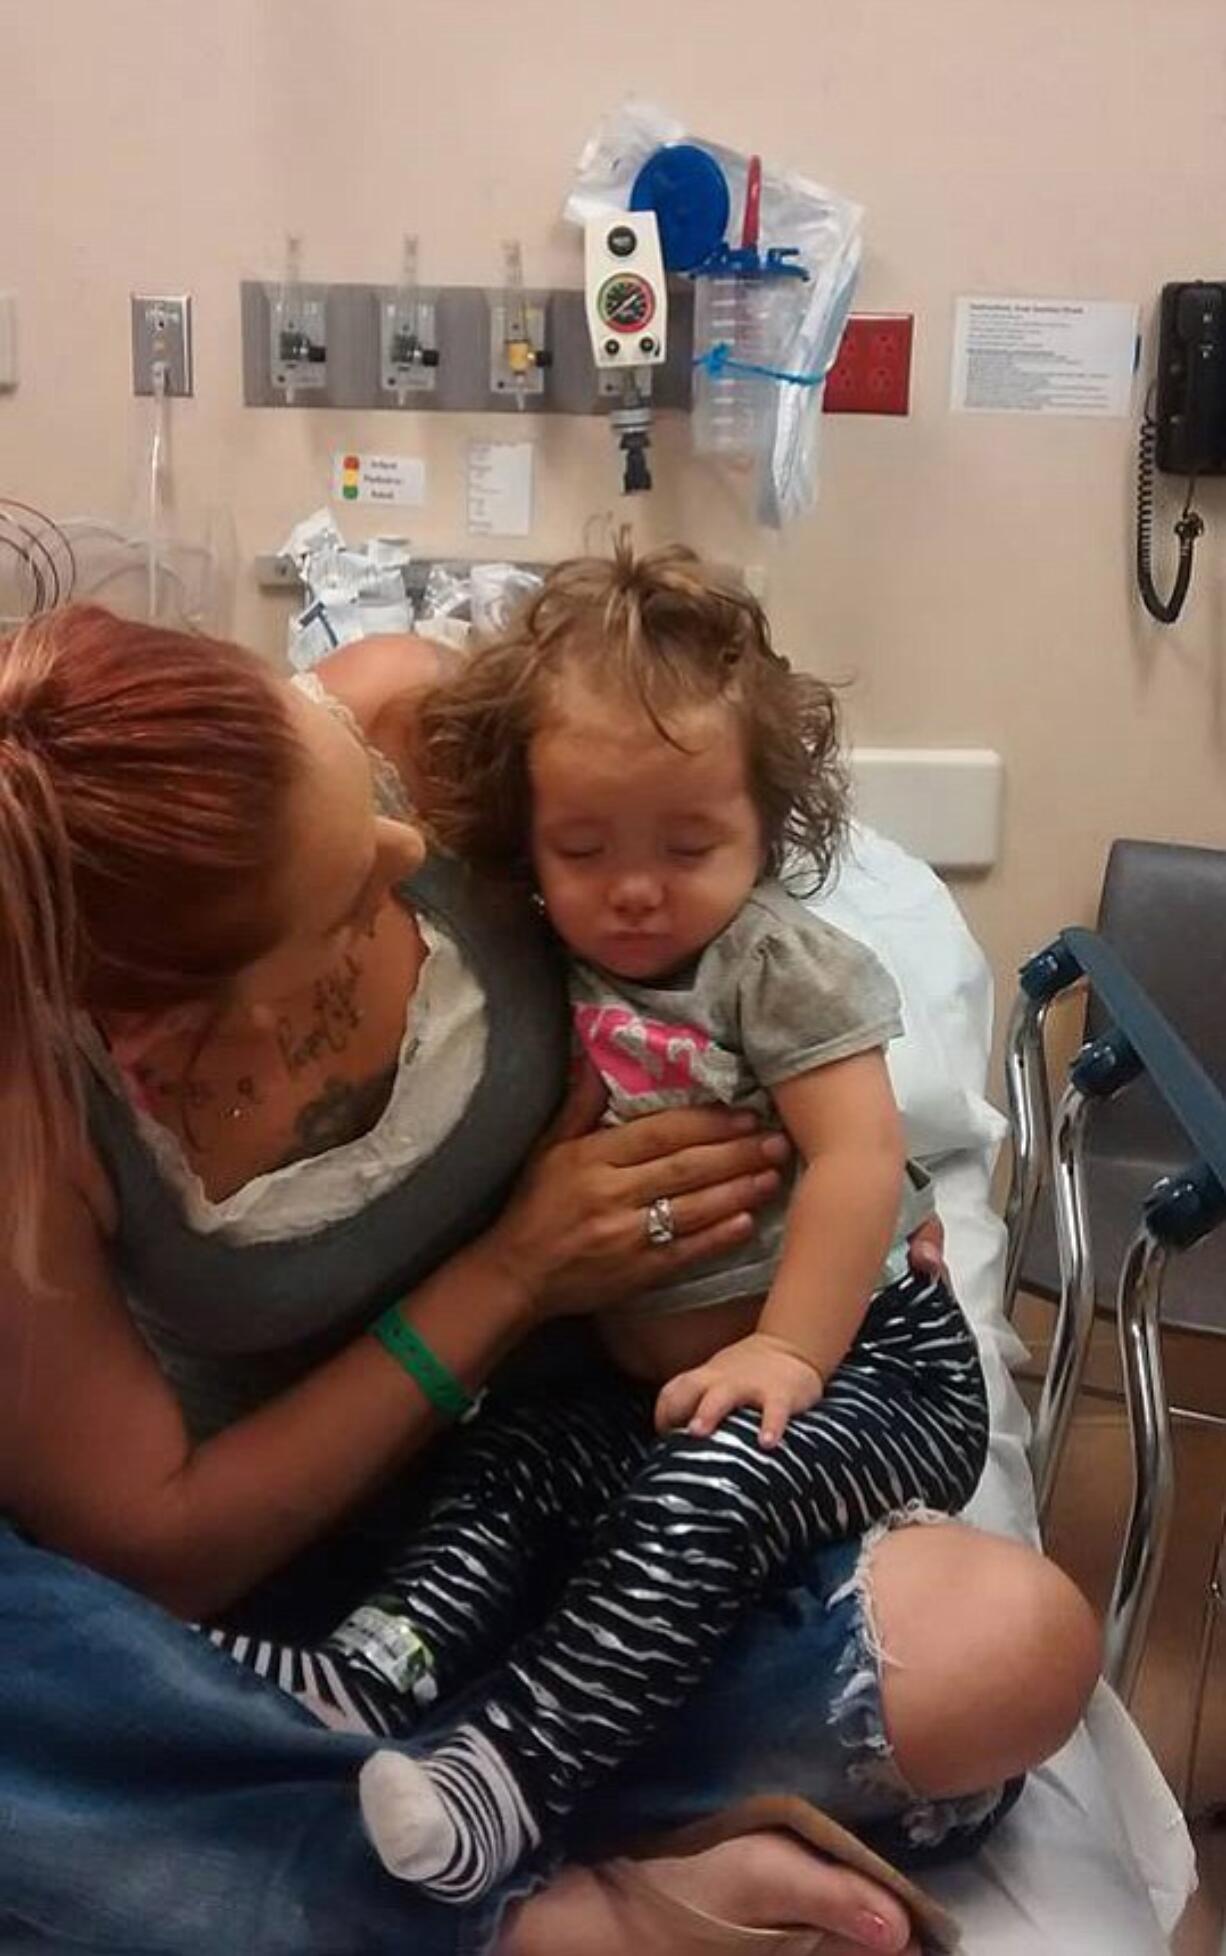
636	750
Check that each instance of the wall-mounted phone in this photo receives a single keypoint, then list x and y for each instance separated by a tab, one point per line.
1183	431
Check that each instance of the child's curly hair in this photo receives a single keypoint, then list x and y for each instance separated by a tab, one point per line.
665	630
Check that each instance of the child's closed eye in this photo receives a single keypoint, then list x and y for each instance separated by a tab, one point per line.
576	852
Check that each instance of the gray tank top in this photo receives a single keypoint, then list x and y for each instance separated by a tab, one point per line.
231	1324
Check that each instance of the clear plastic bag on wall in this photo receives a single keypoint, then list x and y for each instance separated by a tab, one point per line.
825	229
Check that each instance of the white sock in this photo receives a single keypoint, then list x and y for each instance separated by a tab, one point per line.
453	1821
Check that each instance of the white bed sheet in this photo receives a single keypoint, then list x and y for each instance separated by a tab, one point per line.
1095	1859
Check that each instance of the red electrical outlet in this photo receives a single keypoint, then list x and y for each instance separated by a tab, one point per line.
872	374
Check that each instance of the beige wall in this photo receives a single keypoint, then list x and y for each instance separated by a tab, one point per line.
970	575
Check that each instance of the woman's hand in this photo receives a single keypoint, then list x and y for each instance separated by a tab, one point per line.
755	1371
574	1235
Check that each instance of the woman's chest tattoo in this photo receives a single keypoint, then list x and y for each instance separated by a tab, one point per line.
345	1110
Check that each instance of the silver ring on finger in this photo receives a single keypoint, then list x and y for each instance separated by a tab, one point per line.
661	1225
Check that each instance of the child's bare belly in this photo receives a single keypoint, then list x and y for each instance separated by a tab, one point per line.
653	1350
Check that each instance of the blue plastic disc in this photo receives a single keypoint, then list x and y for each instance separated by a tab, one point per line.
688	192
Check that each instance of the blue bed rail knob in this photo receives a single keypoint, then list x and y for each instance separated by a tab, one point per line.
1181	1209
1105	1065
1049	972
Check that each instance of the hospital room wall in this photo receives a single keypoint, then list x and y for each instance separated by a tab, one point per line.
969	576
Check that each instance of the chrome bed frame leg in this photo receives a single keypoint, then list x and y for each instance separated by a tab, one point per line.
1030	1120
1075	1317
1153	1462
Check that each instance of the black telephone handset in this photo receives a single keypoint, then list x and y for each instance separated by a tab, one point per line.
1184	433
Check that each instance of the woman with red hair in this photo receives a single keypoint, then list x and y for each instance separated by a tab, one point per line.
269	1078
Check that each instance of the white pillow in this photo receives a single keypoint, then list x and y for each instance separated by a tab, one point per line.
898	907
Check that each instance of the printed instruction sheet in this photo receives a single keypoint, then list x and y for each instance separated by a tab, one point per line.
500	488
1043	356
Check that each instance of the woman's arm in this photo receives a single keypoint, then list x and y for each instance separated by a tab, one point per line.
101	1464
103	1467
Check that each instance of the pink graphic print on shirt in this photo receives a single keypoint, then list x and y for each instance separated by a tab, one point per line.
640	1056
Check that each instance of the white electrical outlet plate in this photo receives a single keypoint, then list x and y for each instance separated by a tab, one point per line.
624	290
162	330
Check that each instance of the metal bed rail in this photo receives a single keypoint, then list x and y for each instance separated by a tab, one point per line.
1178	1211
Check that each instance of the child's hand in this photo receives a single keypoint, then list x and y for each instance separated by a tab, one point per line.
756	1371
926	1250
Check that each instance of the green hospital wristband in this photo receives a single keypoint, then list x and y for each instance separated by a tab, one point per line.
413	1355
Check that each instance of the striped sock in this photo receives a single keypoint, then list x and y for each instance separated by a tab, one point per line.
454	1822
333	1682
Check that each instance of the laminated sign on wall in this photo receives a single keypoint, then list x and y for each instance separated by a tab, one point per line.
396	479
1043	356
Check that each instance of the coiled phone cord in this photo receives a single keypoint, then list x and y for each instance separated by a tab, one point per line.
1188	527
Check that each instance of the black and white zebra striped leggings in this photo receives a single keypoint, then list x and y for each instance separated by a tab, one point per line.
619	1560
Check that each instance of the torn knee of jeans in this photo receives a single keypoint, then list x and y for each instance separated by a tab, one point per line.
859	1584
856	1706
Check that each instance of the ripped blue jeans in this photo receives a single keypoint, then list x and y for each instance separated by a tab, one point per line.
158	1800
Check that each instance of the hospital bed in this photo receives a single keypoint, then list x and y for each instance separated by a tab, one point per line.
1095	1859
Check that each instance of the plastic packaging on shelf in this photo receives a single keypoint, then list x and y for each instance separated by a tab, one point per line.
497	590
357	590
478	596
352	591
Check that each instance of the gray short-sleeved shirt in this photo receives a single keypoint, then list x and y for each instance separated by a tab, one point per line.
776	994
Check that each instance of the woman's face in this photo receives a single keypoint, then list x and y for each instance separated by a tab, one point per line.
342	860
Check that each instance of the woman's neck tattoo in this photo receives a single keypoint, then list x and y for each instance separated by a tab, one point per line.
334	1018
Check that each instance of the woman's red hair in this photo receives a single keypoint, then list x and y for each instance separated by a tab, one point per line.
144	776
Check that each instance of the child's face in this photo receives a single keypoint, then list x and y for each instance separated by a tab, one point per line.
643	851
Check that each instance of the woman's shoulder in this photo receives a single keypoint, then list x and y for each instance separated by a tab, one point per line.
379	680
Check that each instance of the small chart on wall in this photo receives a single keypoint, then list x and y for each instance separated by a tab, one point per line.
395	479
1044	356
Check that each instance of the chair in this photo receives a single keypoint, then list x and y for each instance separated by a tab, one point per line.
1163	909
1119	1163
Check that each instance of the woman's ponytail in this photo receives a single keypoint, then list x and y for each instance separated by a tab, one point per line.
39	1090
144	782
